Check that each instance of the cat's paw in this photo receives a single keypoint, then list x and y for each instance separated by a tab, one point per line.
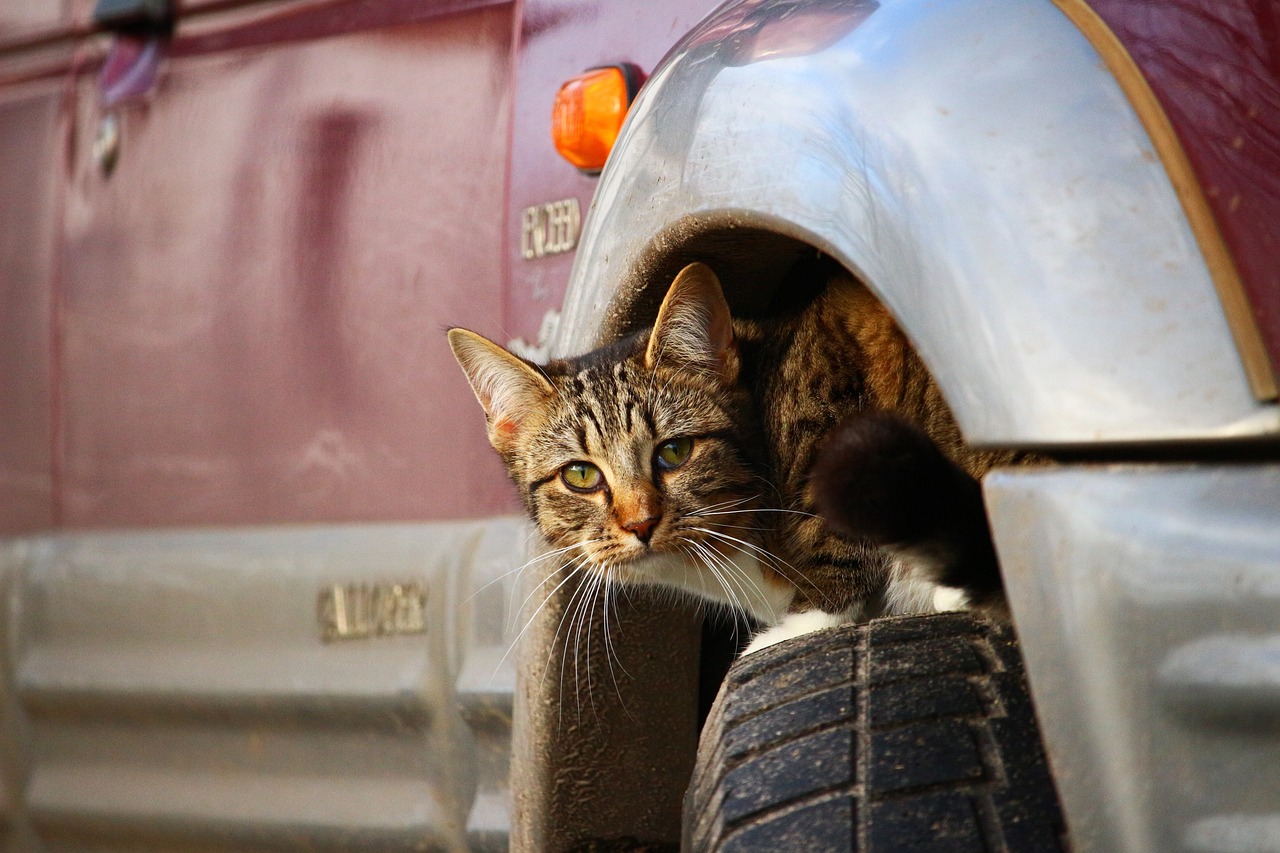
949	598
794	625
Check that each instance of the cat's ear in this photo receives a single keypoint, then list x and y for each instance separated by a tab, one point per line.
509	388
694	326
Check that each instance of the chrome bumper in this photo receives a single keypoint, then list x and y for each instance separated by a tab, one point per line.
1148	602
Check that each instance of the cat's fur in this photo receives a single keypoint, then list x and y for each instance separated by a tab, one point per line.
735	522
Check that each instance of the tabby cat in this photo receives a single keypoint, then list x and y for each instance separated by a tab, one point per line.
682	456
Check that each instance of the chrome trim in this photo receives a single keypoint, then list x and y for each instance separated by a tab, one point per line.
978	166
1146	600
162	689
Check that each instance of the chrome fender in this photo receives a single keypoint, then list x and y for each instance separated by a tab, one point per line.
978	166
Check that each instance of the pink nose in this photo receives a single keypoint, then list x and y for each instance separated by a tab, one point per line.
643	528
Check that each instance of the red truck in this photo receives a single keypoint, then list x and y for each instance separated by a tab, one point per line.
257	558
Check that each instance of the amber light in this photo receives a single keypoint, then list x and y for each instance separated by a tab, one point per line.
588	113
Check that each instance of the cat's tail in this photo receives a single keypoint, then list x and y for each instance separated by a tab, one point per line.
879	477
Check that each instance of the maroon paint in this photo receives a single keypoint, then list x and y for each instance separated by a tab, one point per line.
1215	66
255	300
252	304
23	21
559	40
33	125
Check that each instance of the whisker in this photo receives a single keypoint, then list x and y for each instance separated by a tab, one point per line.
775	561
698	557
610	654
579	561
743	581
570	613
527	564
764	509
723	505
729	576
511	646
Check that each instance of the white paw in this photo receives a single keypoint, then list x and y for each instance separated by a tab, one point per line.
794	625
949	598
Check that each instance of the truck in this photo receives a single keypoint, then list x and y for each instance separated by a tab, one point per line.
264	584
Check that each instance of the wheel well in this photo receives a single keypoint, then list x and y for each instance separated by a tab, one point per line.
763	272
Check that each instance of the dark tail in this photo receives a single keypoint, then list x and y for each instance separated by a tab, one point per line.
880	477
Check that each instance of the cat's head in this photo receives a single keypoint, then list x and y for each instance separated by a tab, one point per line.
632	451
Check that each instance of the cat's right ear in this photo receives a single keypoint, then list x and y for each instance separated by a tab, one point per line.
508	388
694	327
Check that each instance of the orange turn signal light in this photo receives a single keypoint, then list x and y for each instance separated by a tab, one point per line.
589	111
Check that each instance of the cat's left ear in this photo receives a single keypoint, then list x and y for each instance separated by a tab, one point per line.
694	326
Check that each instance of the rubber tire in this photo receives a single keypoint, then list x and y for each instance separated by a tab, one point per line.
906	734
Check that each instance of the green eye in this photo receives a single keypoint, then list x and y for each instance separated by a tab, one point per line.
582	476
673	453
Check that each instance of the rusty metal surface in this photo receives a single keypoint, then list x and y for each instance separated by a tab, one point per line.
605	736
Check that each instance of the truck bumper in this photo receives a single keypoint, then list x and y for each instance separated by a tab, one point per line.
1148	602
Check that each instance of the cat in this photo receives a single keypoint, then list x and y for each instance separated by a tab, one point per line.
681	456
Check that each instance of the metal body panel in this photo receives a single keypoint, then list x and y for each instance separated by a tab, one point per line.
1146	600
979	167
22	21
1211	64
557	41
176	689
33	123
253	299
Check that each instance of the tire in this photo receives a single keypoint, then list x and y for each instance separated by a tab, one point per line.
905	734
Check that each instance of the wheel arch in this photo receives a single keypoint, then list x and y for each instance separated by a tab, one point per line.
1016	220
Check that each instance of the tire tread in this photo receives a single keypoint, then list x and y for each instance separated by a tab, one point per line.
902	734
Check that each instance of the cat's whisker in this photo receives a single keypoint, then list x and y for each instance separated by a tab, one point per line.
588	620
579	561
748	548
702	559
610	589
533	616
741	579
775	561
723	505
726	574
610	653
719	524
575	565
777	494
581	617
570	615
765	509
527	564
602	596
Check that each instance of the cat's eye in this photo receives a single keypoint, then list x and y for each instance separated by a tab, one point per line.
673	453
582	476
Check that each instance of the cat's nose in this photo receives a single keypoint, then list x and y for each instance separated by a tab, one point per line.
642	528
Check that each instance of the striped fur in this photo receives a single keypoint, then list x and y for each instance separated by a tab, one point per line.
736	521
